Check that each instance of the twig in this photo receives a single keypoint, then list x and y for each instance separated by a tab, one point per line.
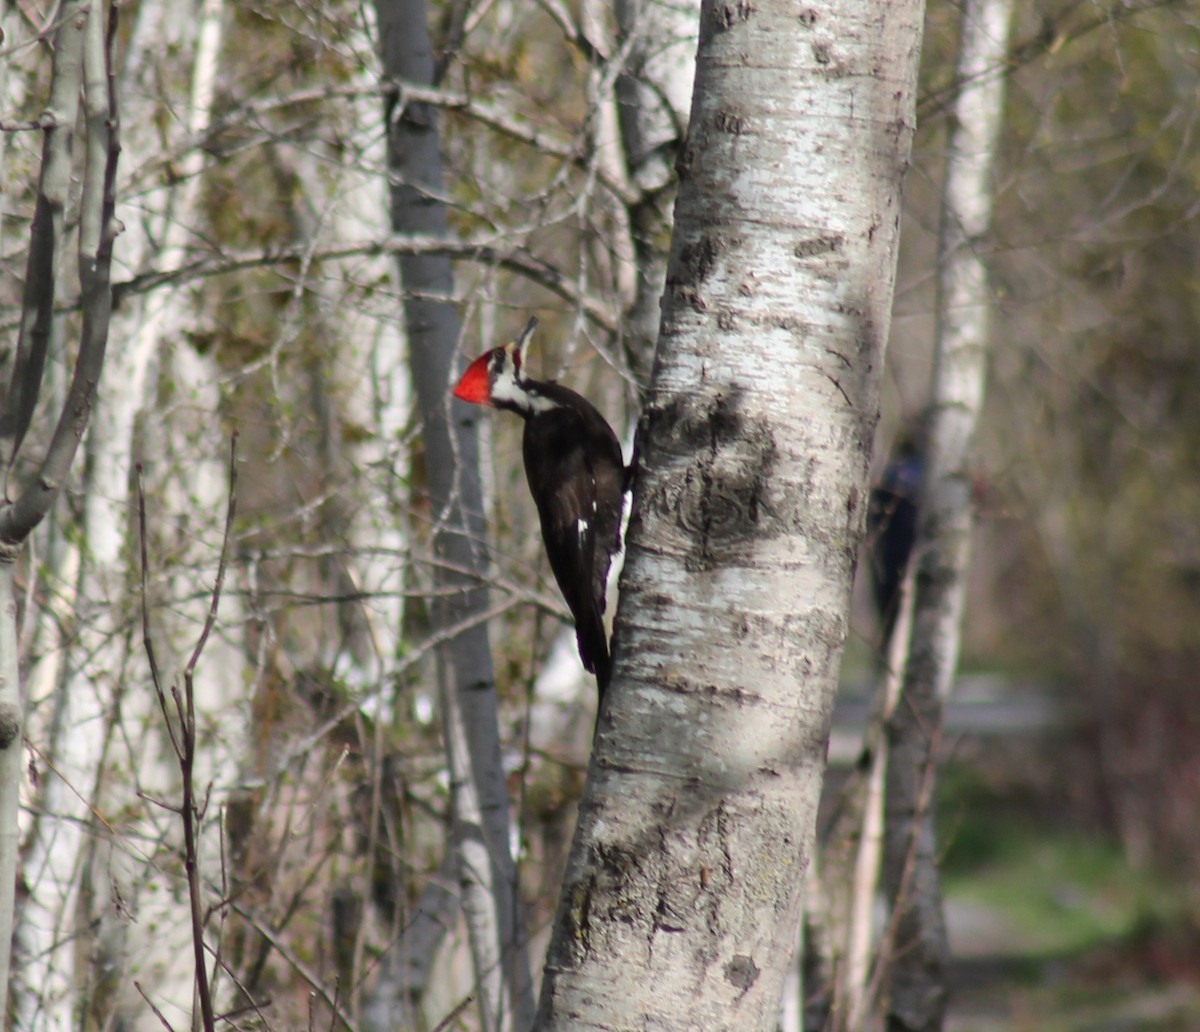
184	740
147	638
462	1005
490	250
257	1006
150	1003
191	814
302	969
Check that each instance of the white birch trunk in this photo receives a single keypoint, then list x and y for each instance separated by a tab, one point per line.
653	99
10	761
682	895
65	835
919	950
12	96
77	82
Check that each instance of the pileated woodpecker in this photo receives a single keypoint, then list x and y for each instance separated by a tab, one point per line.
577	478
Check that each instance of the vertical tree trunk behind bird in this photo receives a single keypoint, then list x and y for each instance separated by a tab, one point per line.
479	797
918	945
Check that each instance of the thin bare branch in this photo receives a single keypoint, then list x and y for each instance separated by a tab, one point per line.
147	637
183	740
302	969
222	565
150	1003
500	118
29	125
486	251
454	1014
193	814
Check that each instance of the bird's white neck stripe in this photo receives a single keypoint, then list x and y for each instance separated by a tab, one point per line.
507	389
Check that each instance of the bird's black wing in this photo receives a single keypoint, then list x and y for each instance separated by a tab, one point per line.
574	468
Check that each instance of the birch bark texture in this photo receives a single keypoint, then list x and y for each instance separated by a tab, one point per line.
917	991
682	893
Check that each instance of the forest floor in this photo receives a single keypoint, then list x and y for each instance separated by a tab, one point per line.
1052	930
1115	987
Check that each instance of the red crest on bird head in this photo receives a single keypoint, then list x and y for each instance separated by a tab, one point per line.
475	385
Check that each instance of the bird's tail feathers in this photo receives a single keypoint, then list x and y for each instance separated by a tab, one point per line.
592	639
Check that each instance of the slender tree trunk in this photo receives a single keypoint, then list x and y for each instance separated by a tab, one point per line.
81	77
858	984
12	95
479	798
682	894
11	718
653	97
919	950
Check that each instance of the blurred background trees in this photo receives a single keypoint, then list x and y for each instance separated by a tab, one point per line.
1101	465
256	291
1087	555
